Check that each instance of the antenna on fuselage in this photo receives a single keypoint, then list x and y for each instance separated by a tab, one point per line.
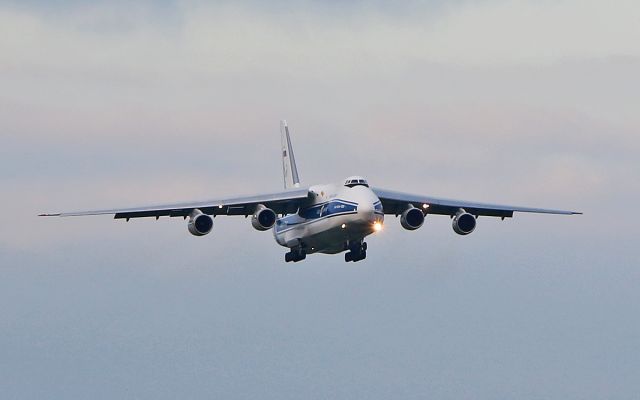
289	169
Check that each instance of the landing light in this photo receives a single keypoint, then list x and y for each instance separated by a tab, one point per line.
344	226
377	227
425	206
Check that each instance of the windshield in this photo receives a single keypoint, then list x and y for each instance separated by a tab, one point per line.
356	182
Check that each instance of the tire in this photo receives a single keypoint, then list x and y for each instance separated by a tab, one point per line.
359	257
348	257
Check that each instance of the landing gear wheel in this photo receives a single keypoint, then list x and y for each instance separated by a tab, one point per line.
295	255
360	257
357	252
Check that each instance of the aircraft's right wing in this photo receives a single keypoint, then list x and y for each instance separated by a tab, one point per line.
396	202
286	202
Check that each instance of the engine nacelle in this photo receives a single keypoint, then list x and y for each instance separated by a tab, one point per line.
264	218
199	224
463	223
412	218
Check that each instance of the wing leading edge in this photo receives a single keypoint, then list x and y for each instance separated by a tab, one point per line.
286	202
396	202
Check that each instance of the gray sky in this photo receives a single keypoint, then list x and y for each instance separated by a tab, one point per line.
114	104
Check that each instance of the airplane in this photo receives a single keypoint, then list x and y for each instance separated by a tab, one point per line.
328	218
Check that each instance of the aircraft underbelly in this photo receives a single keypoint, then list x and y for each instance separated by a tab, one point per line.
326	235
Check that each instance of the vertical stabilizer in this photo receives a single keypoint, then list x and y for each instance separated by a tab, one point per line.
289	169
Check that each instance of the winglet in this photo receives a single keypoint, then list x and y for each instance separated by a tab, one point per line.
289	168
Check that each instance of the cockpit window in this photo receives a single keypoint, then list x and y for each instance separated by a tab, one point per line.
356	182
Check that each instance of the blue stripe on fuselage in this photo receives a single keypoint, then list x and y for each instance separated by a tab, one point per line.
328	208
317	212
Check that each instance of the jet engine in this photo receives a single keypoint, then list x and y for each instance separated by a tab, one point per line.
463	223
200	224
412	218
264	218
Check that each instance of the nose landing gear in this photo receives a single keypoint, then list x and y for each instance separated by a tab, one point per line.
357	252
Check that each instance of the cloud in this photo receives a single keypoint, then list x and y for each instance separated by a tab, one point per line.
525	32
120	39
100	96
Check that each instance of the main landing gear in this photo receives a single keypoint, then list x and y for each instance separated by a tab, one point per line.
295	255
357	251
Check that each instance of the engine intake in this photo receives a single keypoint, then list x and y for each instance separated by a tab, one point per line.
463	223
199	224
412	218
264	218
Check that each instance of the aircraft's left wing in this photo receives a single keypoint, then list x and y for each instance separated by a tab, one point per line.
286	202
396	202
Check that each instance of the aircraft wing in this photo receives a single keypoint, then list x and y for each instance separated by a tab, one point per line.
396	202
286	202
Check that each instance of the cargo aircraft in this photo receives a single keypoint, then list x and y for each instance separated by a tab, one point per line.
328	218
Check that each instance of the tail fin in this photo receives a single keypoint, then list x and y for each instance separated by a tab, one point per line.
289	169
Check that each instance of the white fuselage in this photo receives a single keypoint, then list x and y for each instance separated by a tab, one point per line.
335	216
